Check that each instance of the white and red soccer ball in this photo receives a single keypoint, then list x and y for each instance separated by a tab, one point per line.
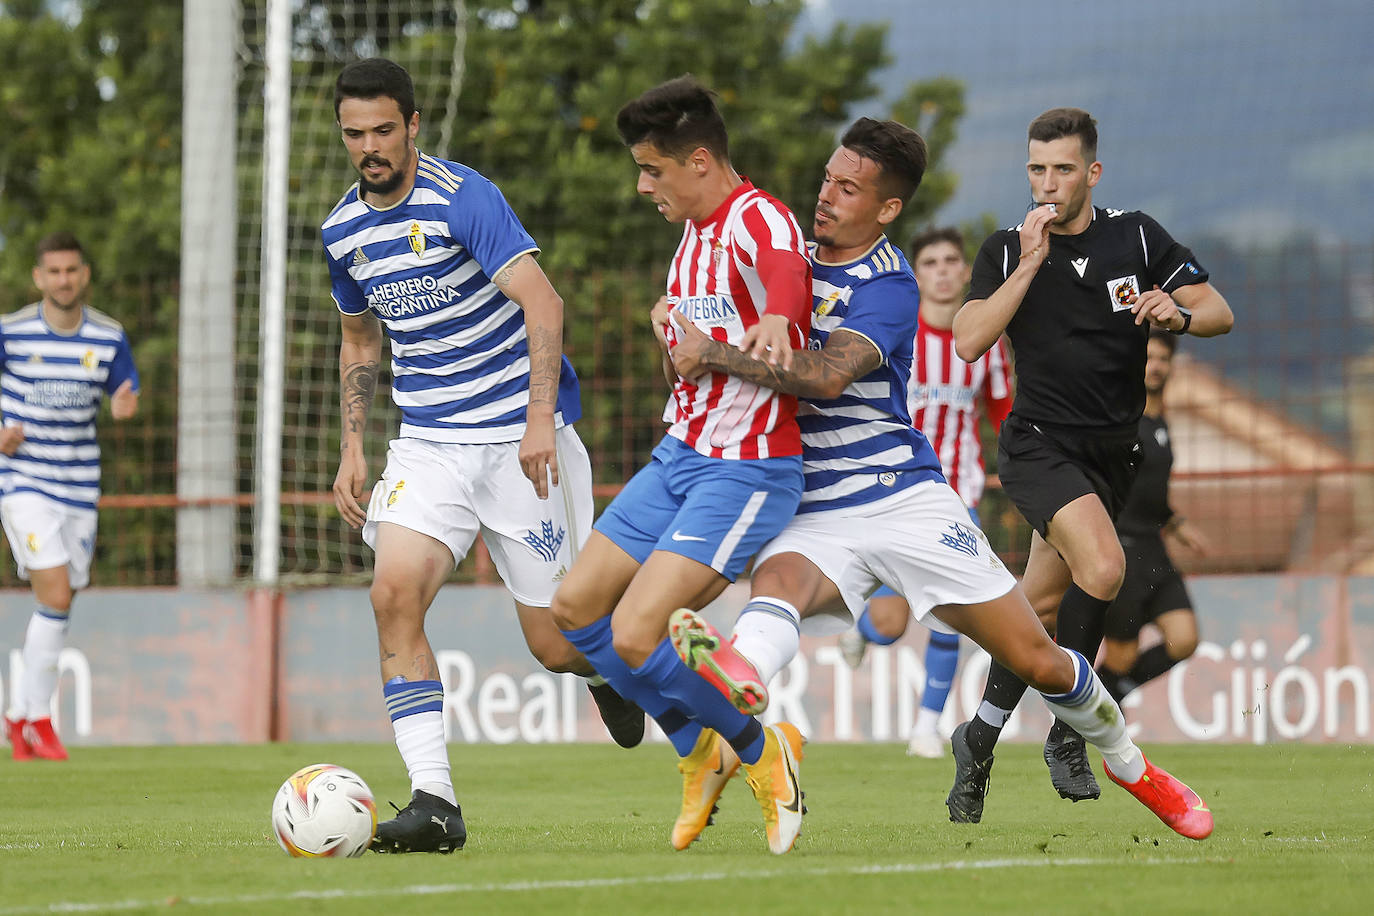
324	811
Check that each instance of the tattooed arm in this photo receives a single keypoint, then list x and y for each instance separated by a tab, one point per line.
814	375
525	284
360	353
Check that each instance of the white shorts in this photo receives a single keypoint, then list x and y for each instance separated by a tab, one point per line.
920	543
44	534
451	492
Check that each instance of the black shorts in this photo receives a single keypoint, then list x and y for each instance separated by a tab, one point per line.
1043	468
1152	587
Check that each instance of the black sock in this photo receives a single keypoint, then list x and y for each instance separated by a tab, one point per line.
1116	684
1153	662
1080	622
1004	690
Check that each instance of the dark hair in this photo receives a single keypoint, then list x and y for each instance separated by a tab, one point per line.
1066	122
676	117
60	241
374	78
934	236
896	149
1167	338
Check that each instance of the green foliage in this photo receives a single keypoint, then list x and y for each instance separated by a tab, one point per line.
93	143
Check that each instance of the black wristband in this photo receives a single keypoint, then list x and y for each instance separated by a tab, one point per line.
1187	322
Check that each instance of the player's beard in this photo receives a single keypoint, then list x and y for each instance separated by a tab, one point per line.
385	186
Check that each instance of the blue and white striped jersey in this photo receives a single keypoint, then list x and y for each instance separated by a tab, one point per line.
51	383
459	358
861	446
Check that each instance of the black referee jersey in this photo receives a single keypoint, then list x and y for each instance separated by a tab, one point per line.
1147	507
1080	357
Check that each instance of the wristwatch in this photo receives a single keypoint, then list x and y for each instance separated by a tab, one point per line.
1187	322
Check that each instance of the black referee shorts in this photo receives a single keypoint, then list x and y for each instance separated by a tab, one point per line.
1043	468
1152	587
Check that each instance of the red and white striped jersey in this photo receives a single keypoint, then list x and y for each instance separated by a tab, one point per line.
945	395
714	281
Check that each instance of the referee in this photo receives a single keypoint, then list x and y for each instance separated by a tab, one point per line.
1076	289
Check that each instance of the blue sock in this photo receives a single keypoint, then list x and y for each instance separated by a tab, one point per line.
594	642
942	657
692	694
872	635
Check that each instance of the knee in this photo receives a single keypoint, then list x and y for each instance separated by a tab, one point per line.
1049	670
55	596
633	645
395	602
560	656
565	610
1181	646
1102	574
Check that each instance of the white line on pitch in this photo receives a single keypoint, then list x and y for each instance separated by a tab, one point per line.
422	890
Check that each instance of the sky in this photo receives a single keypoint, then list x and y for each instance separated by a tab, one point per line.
1251	120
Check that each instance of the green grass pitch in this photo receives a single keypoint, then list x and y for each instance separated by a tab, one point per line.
584	829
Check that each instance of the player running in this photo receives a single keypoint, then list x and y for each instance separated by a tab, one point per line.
728	474
876	507
57	357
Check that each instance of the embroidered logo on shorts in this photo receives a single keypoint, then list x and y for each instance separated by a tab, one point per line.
547	542
395	493
1124	291
31	542
961	538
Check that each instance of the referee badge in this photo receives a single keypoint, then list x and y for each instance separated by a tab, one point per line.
1124	291
417	240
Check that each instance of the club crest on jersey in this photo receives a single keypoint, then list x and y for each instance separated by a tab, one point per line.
828	304
1124	291
417	240
89	361
717	252
395	493
546	542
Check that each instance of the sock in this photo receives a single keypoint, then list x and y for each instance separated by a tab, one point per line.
768	634
1088	709
690	692
1118	685
1080	622
871	633
926	721
595	642
1003	691
43	642
942	657
1153	662
417	717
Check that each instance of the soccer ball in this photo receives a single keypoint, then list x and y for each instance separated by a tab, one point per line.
324	810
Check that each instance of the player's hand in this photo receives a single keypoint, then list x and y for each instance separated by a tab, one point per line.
658	318
1158	308
124	402
1035	235
539	455
689	354
10	438
1190	538
771	340
348	487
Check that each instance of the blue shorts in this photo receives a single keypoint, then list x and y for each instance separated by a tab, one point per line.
885	592
716	511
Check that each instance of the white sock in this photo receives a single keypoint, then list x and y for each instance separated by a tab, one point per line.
43	642
420	739
1098	718
926	720
768	633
